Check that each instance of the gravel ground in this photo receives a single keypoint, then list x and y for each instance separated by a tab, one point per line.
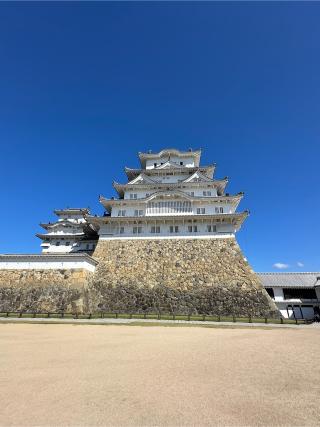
72	375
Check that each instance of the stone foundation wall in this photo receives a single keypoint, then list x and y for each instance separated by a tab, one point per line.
177	275
44	290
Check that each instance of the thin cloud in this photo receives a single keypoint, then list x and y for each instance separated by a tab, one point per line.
300	264
280	265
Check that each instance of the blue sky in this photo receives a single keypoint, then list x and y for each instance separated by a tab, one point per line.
85	86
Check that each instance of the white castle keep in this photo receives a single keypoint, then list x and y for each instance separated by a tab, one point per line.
170	196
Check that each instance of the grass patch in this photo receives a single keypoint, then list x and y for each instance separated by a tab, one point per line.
152	316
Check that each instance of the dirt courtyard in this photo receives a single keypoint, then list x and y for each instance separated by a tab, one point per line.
70	375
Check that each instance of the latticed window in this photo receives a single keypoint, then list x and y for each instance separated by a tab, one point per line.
137	230
155	229
174	228
211	228
201	211
218	210
168	207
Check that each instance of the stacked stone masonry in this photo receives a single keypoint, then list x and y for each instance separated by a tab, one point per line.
43	290
207	276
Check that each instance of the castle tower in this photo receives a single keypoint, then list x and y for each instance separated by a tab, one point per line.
70	233
168	242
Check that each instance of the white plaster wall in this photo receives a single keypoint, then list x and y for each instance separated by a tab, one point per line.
73	247
187	161
46	265
108	230
209	208
278	294
198	192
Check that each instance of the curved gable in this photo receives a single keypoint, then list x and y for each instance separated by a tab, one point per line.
198	177
169	194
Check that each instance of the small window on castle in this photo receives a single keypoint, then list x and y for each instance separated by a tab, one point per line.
174	228
133	196
190	228
155	165
121	230
201	211
121	213
147	194
58	244
87	246
221	210
67	243
195	228
155	229
211	228
216	210
137	230
181	163
192	193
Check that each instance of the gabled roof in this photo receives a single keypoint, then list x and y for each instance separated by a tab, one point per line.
168	194
49	225
235	219
140	179
290	280
198	177
169	165
143	157
133	173
219	184
72	211
108	204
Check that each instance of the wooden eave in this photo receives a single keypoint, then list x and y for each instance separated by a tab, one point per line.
48	226
206	170
72	211
59	236
143	157
110	203
235	219
219	184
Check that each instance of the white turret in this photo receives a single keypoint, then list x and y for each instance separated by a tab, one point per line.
70	233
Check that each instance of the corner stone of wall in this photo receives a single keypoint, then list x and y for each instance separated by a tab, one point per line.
207	276
46	290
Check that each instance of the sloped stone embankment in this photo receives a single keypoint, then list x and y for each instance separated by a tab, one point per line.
177	275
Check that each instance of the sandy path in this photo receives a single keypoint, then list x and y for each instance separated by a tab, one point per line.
131	375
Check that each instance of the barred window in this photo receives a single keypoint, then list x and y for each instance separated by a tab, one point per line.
168	207
155	229
137	230
201	211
